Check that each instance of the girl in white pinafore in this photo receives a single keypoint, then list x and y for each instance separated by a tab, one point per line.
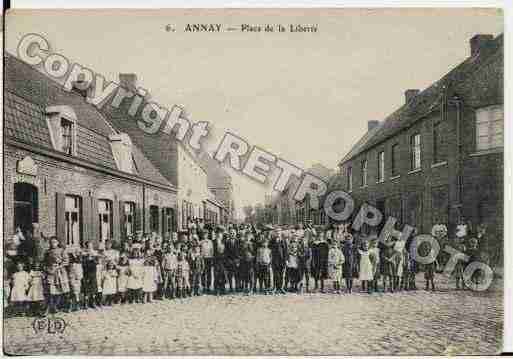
36	292
20	285
135	280
366	272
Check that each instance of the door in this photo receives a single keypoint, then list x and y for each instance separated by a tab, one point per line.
25	206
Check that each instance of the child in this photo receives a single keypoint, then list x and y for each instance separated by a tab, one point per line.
365	275
305	261
375	261
20	284
54	286
123	271
135	279
197	266
182	276
348	262
90	285
100	275
36	291
389	266
149	279
247	264
264	266
169	264
109	283
292	267
335	263
76	274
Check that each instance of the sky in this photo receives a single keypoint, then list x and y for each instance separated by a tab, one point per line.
305	97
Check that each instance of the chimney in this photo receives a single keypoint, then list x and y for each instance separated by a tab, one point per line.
372	124
81	87
479	43
409	94
128	81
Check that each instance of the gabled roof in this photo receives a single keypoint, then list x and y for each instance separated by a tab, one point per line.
477	81
27	94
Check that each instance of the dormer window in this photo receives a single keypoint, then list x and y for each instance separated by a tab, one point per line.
122	150
67	136
61	122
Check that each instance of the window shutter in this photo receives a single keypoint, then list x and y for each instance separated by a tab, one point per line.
86	219
94	235
122	221
60	223
146	213
116	224
164	223
138	217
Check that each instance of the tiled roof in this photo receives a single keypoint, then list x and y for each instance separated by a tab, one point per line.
25	121
28	92
481	92
36	87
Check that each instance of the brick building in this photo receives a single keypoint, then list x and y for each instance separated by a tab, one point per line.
69	173
439	157
181	165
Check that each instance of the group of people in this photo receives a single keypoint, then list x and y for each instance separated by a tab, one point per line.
210	259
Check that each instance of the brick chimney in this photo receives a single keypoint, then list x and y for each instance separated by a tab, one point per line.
409	94
479	43
128	81
80	87
371	124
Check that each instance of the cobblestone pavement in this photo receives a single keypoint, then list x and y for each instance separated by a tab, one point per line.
417	322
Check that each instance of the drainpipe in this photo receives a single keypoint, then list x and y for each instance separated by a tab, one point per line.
459	180
144	209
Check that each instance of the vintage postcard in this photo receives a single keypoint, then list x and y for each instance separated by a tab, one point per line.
253	182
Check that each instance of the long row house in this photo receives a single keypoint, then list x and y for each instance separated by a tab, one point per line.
439	157
83	174
436	159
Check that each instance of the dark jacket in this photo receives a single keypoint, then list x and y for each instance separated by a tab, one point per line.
279	252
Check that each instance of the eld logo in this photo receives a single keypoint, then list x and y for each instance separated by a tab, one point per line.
50	325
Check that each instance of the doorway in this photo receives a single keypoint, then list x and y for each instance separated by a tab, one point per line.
25	206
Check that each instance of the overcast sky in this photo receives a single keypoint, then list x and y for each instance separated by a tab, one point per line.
306	97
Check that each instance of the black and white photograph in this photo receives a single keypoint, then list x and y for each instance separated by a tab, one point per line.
254	181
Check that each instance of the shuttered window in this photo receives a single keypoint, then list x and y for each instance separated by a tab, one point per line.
105	218
73	220
489	127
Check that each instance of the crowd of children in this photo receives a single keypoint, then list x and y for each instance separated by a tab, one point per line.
212	259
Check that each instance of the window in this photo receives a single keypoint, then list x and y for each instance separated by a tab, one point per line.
439	142
129	212
415	151
67	136
395	160
364	173
350	179
381	166
489	127
154	218
105	219
168	222
73	220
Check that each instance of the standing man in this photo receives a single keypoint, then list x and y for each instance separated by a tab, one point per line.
207	251
219	261
279	257
232	254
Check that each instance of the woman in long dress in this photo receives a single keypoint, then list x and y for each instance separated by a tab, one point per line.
366	270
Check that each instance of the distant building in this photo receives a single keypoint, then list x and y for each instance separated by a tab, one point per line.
285	210
439	157
69	173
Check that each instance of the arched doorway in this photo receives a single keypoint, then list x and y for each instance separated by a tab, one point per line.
25	206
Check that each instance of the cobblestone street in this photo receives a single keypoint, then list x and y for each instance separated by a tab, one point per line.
419	322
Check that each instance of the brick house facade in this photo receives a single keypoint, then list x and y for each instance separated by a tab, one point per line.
84	185
438	158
